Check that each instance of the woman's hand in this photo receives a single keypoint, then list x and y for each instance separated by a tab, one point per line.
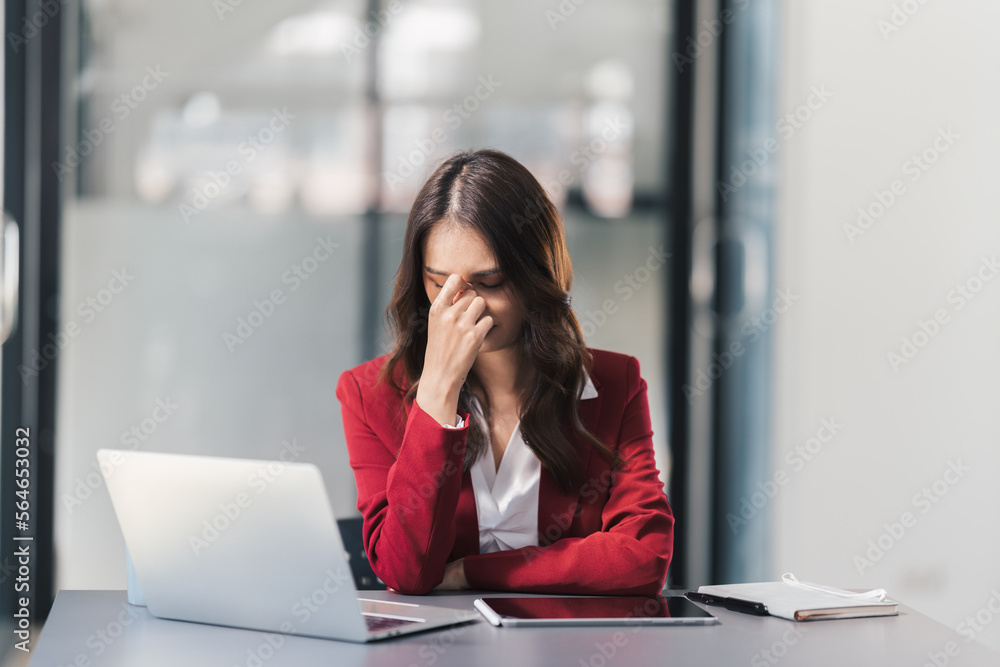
456	328
454	577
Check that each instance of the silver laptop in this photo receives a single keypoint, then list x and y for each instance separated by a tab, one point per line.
247	544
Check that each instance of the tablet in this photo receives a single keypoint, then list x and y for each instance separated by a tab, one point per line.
549	611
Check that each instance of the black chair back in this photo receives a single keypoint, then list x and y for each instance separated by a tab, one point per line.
364	576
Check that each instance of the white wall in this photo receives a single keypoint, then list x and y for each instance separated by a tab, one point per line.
902	427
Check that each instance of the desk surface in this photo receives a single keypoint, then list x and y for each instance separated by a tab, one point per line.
98	628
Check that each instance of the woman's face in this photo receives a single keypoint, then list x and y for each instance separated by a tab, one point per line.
450	248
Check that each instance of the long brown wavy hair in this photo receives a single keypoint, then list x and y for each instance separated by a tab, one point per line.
490	192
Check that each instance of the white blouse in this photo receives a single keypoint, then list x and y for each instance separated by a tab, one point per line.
507	497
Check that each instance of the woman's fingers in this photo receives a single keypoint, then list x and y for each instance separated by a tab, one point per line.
451	287
453	292
475	308
464	289
458	292
483	326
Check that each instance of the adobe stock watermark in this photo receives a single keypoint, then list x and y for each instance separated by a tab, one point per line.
104	637
130	439
247	151
796	458
942	658
310	604
787	126
363	35
419	495
263	309
710	31
406	165
121	108
592	491
606	651
438	644
899	16
228	513
30	25
562	12
753	328
960	296
923	501
302	610
773	654
630	283
223	7
914	168
586	154
88	310
975	624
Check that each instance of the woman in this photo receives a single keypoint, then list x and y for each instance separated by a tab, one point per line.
492	449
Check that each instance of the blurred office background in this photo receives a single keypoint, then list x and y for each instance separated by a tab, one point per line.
332	116
196	156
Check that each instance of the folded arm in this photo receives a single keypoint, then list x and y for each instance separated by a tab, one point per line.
407	498
631	552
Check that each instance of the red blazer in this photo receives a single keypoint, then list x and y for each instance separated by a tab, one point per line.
614	536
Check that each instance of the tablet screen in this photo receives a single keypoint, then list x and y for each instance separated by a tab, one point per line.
565	608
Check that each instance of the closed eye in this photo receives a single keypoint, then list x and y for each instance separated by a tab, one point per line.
482	285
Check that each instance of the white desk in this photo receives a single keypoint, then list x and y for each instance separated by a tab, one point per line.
73	636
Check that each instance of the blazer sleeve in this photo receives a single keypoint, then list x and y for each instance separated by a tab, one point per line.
628	556
408	497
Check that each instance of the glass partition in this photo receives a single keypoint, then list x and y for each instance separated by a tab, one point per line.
237	177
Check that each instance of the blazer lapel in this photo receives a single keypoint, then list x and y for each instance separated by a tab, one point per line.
557	508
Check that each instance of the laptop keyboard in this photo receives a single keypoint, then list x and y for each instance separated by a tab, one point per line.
385	622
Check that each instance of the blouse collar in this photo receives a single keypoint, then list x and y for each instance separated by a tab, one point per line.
589	391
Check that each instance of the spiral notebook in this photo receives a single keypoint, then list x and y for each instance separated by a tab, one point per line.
801	601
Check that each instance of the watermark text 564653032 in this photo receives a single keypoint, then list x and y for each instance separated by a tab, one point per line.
23	525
